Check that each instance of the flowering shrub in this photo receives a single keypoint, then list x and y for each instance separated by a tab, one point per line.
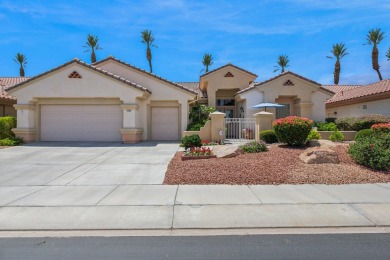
292	130
361	122
372	151
381	128
198	151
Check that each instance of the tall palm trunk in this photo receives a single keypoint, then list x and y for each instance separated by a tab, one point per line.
207	68
336	74
282	69
21	71
149	58
93	56
375	63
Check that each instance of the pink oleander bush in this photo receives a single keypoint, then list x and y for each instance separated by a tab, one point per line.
292	130
381	128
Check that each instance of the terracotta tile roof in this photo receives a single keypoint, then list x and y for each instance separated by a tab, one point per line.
338	88
254	85
229	64
128	82
363	91
145	72
7	82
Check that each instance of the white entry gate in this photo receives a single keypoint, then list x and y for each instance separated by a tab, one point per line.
240	129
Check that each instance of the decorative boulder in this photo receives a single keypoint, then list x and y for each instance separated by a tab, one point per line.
317	155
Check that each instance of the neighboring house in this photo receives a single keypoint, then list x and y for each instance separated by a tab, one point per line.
107	101
232	90
7	101
360	100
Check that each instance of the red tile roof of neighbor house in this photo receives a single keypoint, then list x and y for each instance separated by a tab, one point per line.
109	74
375	88
338	88
145	72
7	82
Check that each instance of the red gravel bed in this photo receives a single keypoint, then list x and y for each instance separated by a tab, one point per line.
280	165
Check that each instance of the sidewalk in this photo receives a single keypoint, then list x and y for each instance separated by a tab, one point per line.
193	207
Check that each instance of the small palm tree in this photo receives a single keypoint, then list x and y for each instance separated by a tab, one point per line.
388	54
92	45
282	63
207	61
22	61
148	39
374	37
338	51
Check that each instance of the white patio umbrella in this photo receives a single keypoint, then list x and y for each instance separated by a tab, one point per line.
265	105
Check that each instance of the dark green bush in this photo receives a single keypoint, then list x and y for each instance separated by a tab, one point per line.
313	135
363	134
191	141
325	126
336	136
194	126
254	147
361	122
6	125
292	130
11	141
268	136
372	151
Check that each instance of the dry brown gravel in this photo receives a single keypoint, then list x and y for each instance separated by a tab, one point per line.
280	165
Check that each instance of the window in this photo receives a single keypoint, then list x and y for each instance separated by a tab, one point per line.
364	106
226	102
282	112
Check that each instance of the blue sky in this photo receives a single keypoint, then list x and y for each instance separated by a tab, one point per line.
250	34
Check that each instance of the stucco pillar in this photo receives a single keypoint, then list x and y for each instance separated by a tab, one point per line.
26	122
217	125
130	133
263	122
306	109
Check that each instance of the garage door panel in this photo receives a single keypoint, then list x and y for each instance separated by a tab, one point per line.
81	122
165	123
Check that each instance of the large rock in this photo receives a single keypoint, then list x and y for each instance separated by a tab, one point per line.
317	155
322	143
226	151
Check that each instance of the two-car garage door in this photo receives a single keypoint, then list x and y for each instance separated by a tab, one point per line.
81	123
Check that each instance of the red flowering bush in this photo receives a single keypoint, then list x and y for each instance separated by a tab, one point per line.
198	151
381	128
292	130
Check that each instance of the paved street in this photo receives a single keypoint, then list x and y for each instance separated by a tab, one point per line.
81	186
327	246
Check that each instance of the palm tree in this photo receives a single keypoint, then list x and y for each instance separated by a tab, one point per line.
282	63
388	54
207	61
338	51
374	37
148	39
22	61
92	45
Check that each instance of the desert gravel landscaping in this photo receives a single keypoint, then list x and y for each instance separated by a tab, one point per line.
280	165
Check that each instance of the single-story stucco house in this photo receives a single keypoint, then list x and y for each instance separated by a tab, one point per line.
114	101
360	100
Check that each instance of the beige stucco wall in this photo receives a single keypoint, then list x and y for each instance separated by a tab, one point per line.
217	80
161	92
251	98
381	106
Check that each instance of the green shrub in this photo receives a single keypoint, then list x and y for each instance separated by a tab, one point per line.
191	141
292	130
372	151
254	147
313	135
11	141
336	136
268	136
194	126
381	128
325	126
361	122
363	134
6	125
